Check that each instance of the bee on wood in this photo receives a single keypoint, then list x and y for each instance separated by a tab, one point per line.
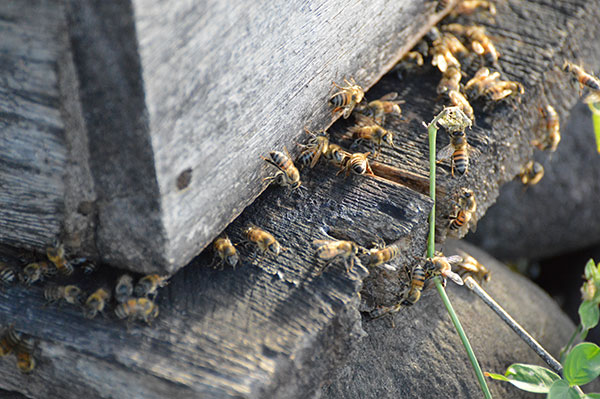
336	155
469	266
468	7
531	173
56	255
124	288
442	265
347	98
357	163
368	130
443	50
265	241
9	340
330	250
95	303
441	5
582	77
379	109
288	175
458	151
409	63
417	283
137	309
69	293
450	80
457	99
87	265
7	274
481	81
460	219
503	89
149	285
317	146
382	254
551	128
480	42
36	271
225	251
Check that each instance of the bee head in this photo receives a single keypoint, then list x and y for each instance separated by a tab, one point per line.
232	260
275	248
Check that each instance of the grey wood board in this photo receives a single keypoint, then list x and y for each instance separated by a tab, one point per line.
229	333
32	143
532	52
204	89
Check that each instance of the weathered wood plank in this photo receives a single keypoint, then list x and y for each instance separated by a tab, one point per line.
42	171
231	333
172	90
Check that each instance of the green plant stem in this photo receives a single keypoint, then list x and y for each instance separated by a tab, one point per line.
595	108
567	348
432	129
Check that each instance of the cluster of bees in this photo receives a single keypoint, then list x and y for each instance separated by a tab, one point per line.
448	47
134	302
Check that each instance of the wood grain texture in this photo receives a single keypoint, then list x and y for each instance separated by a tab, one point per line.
43	169
201	90
272	328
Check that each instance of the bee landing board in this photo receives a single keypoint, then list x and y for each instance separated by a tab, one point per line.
137	127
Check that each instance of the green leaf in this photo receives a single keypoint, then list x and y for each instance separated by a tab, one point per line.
528	377
589	314
596	122
582	364
561	390
591	396
591	272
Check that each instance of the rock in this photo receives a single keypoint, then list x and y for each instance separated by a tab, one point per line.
422	356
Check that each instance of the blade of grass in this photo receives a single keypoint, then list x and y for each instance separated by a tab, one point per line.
432	130
595	108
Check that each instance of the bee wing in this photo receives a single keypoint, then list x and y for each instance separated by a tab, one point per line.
473	226
318	243
445	153
592	98
454	259
364	120
390	96
453	276
389	267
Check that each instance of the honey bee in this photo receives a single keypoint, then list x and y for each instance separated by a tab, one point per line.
288	174
584	78
331	250
441	5
409	63
56	255
378	109
347	98
531	173
24	353
480	42
265	241
443	50
85	264
481	81
551	127
318	145
124	288
149	285
357	163
336	155
471	267
468	7
34	272
9	340
417	283
463	212
459	100
450	80
502	89
368	130
458	150
442	265
137	309
383	254
95	303
69	293
7	274
225	251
